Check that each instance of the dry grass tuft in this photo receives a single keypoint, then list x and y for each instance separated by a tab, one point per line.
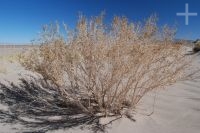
105	69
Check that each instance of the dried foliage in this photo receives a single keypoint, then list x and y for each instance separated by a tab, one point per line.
106	69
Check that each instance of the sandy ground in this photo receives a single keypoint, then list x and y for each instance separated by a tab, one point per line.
176	109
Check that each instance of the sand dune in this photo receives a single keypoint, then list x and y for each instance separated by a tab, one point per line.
176	109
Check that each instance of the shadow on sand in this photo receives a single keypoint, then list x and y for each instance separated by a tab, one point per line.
40	108
192	53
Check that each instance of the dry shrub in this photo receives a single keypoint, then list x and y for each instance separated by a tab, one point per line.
106	69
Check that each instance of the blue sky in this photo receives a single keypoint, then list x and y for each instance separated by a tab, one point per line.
21	20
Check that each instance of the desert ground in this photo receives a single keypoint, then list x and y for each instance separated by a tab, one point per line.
175	109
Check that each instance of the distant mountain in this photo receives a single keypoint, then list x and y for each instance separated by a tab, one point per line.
179	40
197	41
